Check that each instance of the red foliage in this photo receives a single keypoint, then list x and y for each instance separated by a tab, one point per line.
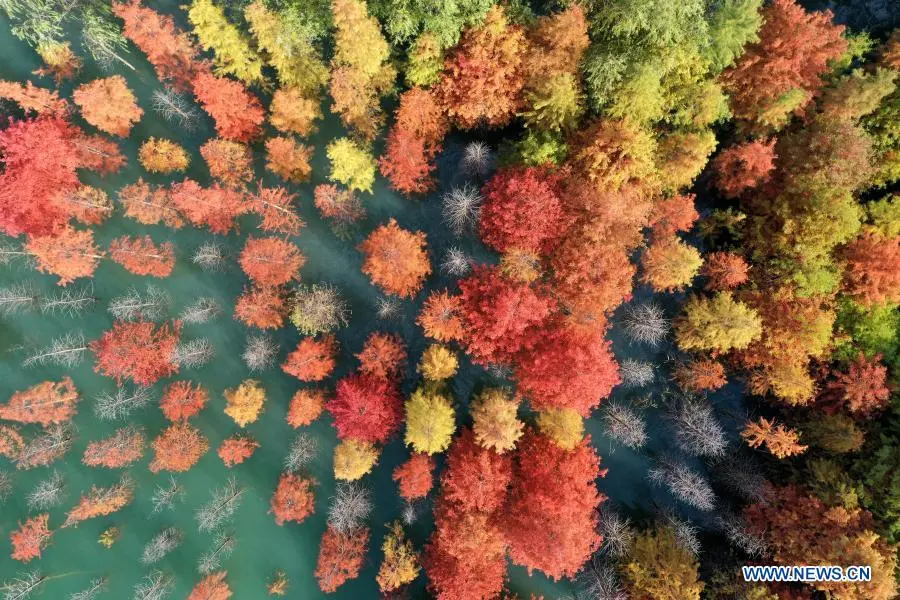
238	114
313	360
340	557
724	271
342	206
521	210
99	154
69	253
383	355
123	448
263	307
140	351
863	386
673	214
744	167
306	406
700	375
215	207
178	448
182	400
872	273
276	208
170	51
271	261
565	368
415	477
45	403
211	587
11	442
413	142
30	538
293	499
366	408
142	257
237	449
440	317
475	478
498	314
553	504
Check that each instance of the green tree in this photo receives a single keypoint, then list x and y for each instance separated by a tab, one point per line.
717	323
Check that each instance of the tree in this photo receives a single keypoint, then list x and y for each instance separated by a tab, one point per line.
178	448
154	305
366	408
779	73
697	431
33	98
221	506
163	156
659	567
430	420
149	205
624	425
236	449
142	257
306	406
672	215
313	359
863	387
780	441
245	402
68	254
744	167
211	587
234	56
262	307
230	162
108	104
495	422
194	353
413	142
681	156
124	448
669	264
45	403
400	565
350	507
383	356
302	451
318	309
340	557
438	362
293	112
343	207
271	261
872	274
353	459
483	76
718	323
415	476
46	448
238	113
293	499
396	260
183	400
101	501
724	271
476	478
30	538
140	351
11	441
562	425
288	159
613	154
700	375
260	352
351	165
162	544
440	316
86	204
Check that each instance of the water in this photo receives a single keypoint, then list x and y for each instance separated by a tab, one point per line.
262	546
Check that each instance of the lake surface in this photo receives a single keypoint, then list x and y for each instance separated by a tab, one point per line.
262	546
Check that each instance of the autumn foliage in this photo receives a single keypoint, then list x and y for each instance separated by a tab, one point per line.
123	448
45	403
140	351
271	261
414	142
109	105
182	400
30	538
340	557
395	259
236	449
521	210
313	359
142	257
211	587
306	406
440	317
383	356
872	274
366	408
238	114
262	307
69	254
415	477
101	501
744	167
178	448
293	499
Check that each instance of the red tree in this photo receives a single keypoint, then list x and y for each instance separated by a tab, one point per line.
872	273
271	261
863	386
724	271
238	114
700	375
306	406
415	477
45	403
178	448
475	478
142	257
123	448
211	587
30	538
413	142
69	253
141	351
553	504
293	499
366	408
182	400
215	207
263	307
341	206
498	314
340	557
396	260
744	167
237	449
275	206
313	359
673	214
383	355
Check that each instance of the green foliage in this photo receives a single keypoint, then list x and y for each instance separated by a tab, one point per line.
36	22
313	17
832	484
426	59
836	433
858	45
732	24
351	165
884	215
879	484
883	126
534	149
556	103
403	20
872	331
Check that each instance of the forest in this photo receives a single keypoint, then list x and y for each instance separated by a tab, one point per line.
452	299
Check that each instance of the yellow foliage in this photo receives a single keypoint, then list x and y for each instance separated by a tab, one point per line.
234	56
426	59
658	567
438	362
163	156
358	42
430	420
351	165
400	564
245	402
717	323
496	425
556	103
353	459
669	264
520	265
562	425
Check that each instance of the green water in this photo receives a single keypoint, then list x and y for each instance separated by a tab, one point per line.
262	546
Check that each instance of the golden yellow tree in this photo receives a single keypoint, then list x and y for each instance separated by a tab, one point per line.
163	156
718	323
234	56
430	420
496	424
400	564
245	402
659	568
438	362
562	425
778	439
353	459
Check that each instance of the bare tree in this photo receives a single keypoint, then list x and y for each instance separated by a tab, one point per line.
462	209
645	324
477	159
350	507
600	582
47	493
12	253
71	302
736	531
94	589
47	447
5	485
17	298
210	256
624	425
684	483
24	585
201	311
176	109
318	308
456	263
303	451
684	531
66	351
697	431
387	308
153	305
221	549
743	477
122	403
165	497
409	514
155	586
221	508
260	352
636	373
193	354
162	543
617	532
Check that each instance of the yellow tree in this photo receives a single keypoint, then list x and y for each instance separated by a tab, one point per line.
245	402
438	362
659	568
351	164
234	56
496	424
353	459
669	264
562	425
400	564
163	156
718	323
779	440
430	420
